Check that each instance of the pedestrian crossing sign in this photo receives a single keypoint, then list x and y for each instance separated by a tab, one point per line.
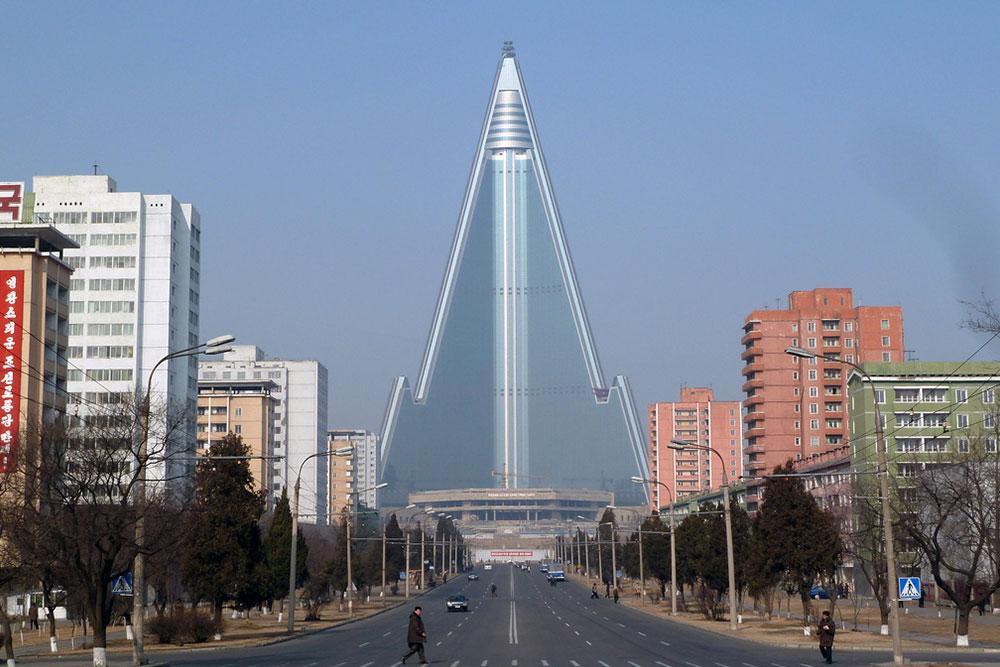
909	588
122	584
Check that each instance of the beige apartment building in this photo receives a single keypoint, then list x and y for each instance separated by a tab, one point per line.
245	408
34	330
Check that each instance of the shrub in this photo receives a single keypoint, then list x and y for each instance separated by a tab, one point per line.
183	625
164	628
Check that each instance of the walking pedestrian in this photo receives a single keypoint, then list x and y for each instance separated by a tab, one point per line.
616	595
593	593
33	617
827	629
607	589
415	637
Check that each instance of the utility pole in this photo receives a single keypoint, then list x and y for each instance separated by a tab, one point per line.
614	561
600	556
383	564
586	552
422	566
642	571
350	582
407	581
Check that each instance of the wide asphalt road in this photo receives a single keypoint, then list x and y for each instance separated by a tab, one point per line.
528	624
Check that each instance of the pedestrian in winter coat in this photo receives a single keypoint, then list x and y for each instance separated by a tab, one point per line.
415	637
593	592
827	629
616	594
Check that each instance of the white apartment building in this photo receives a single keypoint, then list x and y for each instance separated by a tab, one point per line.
299	420
357	473
134	297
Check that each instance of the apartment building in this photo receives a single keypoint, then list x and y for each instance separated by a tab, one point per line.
245	408
794	408
134	297
299	421
700	419
353	478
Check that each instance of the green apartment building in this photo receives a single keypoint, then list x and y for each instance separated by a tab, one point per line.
929	409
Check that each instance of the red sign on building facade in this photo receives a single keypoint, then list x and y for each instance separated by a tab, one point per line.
11	201
12	289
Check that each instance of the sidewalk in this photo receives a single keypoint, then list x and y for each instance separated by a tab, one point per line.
922	630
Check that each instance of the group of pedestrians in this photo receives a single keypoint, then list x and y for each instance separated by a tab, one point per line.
608	592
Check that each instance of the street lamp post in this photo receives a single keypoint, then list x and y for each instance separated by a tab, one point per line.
883	475
423	566
216	345
673	543
614	562
600	556
586	545
343	451
685	444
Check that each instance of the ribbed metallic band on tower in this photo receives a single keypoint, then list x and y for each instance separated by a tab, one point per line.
509	125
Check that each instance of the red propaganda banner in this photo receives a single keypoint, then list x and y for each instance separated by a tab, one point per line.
11	200
511	554
12	289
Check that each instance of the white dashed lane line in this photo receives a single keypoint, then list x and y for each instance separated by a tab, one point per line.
662	664
667	644
368	664
603	664
384	635
361	645
484	663
588	642
641	633
634	664
545	663
693	664
454	664
747	664
719	664
572	662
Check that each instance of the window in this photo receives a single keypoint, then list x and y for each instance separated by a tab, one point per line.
907	395
795	326
76	306
813	440
810	326
812	373
988	396
79	239
795	375
796	407
239	413
814	408
885	341
112	239
880	396
813	392
109	351
75	262
74	329
848	342
989	420
110	329
74	352
112	284
239	429
113	262
962	421
991	445
963	445
795	391
848	326
904	445
814	424
811	342
962	395
885	324
77	284
112	217
111	306
886	356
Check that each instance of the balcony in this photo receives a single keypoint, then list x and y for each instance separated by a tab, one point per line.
753	335
756	383
753	449
755	431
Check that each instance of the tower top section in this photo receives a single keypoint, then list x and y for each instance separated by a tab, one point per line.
508	49
508	126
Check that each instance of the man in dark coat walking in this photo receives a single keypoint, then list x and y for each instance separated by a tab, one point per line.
827	629
415	637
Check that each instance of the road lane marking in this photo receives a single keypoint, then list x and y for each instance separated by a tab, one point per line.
747	664
368	664
777	665
484	663
640	632
667	644
588	642
576	632
621	624
454	664
662	664
574	663
693	664
720	664
634	664
513	663
605	618
363	645
438	644
386	634
545	663
566	624
449	632
603	664
802	664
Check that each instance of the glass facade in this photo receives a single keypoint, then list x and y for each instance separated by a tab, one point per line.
511	392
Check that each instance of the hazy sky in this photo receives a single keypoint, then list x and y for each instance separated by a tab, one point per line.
708	159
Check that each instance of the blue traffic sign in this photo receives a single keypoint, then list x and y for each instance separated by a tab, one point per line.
402	576
909	588
122	584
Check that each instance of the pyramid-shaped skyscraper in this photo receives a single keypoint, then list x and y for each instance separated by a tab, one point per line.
511	391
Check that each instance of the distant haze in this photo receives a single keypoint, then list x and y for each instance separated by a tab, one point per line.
708	159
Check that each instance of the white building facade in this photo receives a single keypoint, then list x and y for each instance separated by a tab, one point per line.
299	421
134	297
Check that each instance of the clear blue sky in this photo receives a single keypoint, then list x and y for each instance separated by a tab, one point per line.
708	159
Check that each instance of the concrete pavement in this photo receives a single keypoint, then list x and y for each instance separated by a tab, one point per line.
529	624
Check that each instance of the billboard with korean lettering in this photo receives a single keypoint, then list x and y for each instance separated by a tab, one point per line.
12	288
11	202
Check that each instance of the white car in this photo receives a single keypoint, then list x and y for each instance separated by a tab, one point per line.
487	567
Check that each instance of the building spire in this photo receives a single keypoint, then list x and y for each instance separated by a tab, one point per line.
508	49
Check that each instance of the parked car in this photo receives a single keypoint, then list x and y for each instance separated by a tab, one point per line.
458	603
818	593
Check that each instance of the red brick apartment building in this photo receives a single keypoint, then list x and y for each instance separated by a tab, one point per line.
699	418
795	408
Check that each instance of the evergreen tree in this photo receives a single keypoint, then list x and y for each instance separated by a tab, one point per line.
277	549
224	554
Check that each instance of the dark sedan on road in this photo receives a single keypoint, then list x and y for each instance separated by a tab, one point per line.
473	576
458	603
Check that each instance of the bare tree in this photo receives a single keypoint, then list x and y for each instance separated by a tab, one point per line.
949	511
77	512
865	544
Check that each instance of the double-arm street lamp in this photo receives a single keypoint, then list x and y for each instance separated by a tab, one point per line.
217	345
347	524
681	445
883	475
342	451
673	544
